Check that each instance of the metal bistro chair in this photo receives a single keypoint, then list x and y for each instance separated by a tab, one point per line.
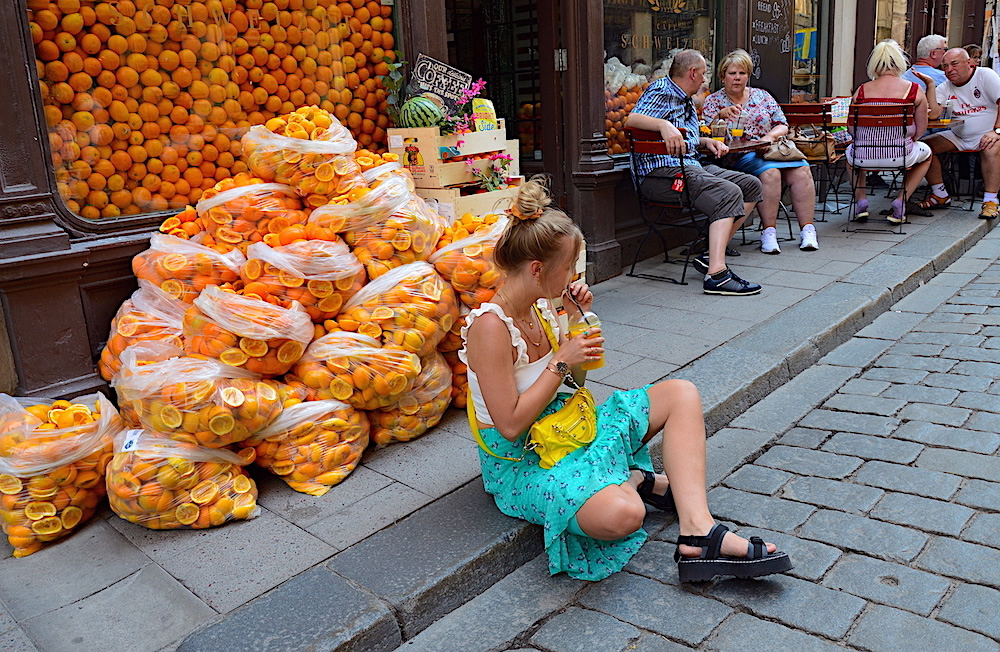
667	214
895	120
819	115
952	165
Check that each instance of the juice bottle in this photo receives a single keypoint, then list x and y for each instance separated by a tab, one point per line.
581	323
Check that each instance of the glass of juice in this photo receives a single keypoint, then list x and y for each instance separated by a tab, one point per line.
588	321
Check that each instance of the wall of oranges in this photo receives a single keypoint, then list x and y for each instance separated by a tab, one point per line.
146	100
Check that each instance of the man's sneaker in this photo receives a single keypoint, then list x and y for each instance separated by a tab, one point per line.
807	238
990	210
769	241
700	262
730	285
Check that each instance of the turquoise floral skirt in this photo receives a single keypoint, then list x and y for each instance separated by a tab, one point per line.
550	497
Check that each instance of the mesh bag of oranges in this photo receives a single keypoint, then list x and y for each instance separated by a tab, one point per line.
411	307
357	370
467	264
308	149
313	446
183	269
52	461
150	314
321	275
163	484
243	210
459	379
419	410
386	227
197	400
246	332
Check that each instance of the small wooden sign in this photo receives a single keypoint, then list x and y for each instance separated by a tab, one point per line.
437	77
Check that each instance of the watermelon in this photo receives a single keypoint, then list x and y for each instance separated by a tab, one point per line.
420	112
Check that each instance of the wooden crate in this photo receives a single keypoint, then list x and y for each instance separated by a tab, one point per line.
451	204
426	153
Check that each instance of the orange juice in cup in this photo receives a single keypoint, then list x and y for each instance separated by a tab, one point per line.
736	132
588	321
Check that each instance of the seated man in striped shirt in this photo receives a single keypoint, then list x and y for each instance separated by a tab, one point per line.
725	196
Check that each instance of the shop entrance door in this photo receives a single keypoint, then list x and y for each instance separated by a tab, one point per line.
514	46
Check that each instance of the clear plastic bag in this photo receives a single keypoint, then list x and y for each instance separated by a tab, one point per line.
183	269
468	264
198	401
313	446
162	484
246	332
150	314
313	152
52	461
243	210
411	307
357	370
459	380
453	339
321	275
419	410
376	175
386	227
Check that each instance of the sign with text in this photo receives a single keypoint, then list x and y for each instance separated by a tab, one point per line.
771	41
437	77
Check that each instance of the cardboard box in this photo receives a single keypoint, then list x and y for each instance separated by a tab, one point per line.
451	204
426	153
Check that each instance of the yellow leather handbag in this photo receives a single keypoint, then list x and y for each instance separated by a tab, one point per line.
556	435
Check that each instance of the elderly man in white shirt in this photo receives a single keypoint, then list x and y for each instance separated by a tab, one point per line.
974	93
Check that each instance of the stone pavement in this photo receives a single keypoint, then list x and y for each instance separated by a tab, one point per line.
409	548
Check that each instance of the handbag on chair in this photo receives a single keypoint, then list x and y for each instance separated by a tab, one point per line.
783	149
814	142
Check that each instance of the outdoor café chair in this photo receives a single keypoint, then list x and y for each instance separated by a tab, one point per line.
819	116
894	120
657	215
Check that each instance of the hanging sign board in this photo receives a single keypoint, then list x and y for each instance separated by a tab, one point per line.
771	41
437	78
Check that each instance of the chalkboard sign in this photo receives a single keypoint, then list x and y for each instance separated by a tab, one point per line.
433	76
771	44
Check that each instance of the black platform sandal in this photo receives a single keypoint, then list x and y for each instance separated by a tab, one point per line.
662	502
711	562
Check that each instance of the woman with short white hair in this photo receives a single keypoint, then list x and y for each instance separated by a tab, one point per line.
879	147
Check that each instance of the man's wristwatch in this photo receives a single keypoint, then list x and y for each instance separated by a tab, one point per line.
558	368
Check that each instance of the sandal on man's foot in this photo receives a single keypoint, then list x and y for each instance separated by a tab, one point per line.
712	562
662	502
934	202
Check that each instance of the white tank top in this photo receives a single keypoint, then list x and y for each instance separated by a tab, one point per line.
525	372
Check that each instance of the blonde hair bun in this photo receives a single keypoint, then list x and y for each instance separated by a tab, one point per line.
536	228
532	198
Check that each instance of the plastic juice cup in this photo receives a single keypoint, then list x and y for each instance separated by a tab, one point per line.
577	329
737	133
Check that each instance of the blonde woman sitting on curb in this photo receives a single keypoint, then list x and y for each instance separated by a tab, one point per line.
590	503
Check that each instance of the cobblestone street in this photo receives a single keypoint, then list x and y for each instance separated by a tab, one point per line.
881	481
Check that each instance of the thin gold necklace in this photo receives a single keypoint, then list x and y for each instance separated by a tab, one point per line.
530	326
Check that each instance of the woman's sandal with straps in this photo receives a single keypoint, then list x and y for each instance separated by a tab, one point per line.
662	502
712	562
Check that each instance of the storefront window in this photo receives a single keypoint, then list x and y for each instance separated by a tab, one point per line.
805	53
640	39
145	101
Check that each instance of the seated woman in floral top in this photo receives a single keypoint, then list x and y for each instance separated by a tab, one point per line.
760	117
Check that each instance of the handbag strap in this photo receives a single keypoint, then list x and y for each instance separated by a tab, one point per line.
471	407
